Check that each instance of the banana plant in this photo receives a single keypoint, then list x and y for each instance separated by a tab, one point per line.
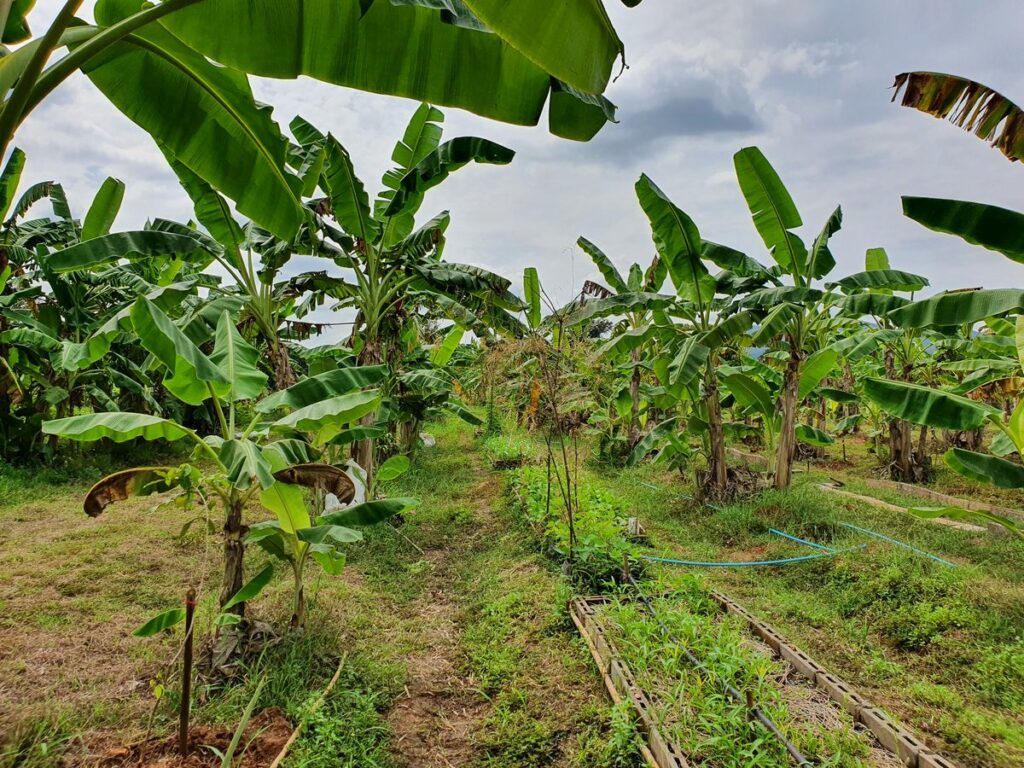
874	293
709	320
944	410
56	324
990	116
295	536
393	269
185	63
792	310
633	299
243	459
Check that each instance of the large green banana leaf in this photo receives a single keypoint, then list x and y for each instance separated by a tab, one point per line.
191	376
652	440
327	417
573	40
287	503
211	209
16	25
203	114
238	360
772	209
735	261
975	516
9	180
349	200
958	308
987	469
886	279
927	406
989	226
604	265
750	393
442	353
245	463
634	338
370	512
108	249
79	355
678	243
324	386
814	369
117	426
618	305
877	304
728	329
103	210
876	258
687	363
805	433
421	137
438	164
532	296
406	50
821	259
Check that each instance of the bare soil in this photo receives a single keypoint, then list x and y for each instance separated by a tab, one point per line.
261	742
435	721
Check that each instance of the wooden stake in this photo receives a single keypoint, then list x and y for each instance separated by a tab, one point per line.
186	673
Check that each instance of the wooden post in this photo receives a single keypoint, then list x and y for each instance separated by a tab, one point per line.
186	673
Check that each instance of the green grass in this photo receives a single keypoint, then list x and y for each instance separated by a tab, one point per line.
693	711
506	450
85	584
938	647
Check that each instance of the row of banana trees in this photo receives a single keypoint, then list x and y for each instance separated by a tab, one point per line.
787	354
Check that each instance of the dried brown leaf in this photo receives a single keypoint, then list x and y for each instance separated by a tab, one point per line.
967	104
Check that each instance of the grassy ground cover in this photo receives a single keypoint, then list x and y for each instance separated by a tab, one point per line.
939	647
456	641
712	728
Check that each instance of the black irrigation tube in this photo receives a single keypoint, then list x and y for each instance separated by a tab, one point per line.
756	712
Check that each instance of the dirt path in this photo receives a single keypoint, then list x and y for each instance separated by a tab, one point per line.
435	720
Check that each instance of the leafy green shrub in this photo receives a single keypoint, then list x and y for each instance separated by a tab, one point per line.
600	527
507	451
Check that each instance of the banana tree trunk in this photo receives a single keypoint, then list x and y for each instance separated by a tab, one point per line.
362	451
299	598
408	432
634	398
905	465
234	555
901	460
281	364
787	429
718	475
849	409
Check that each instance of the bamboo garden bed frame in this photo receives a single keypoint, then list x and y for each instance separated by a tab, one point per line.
660	752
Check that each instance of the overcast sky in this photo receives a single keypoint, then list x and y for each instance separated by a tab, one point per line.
805	80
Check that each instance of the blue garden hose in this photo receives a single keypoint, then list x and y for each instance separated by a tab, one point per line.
751	563
891	540
800	541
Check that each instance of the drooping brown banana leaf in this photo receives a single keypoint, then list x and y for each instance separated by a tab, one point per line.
968	104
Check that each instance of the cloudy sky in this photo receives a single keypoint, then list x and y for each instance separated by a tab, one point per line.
805	80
